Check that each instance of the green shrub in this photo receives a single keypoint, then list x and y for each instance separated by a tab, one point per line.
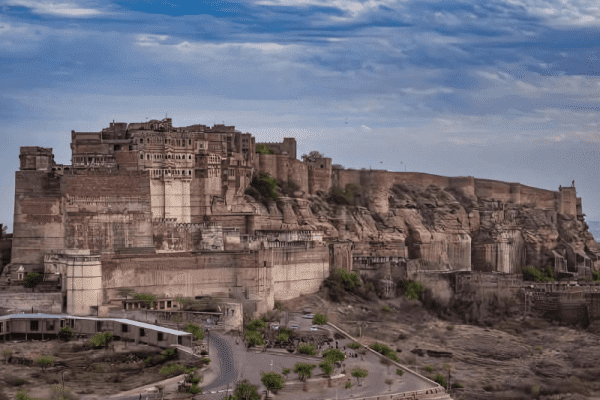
278	306
334	355
206	360
44	361
195	389
385	350
386	309
149	300
343	197
429	368
308	349
173	369
457	385
439	379
265	185
413	290
348	280
531	273
304	370
195	330
66	334
102	339
348	385
283	337
254	338
319	319
355	346
256	324
399	372
263	149
326	366
32	280
272	381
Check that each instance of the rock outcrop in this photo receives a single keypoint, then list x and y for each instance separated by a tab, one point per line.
444	229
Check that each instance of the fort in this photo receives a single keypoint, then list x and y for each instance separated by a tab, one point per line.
164	210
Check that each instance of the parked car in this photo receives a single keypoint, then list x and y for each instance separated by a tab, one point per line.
308	316
314	328
152	389
293	326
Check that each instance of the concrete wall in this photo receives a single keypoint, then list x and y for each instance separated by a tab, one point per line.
296	271
41	302
38	216
106	211
188	275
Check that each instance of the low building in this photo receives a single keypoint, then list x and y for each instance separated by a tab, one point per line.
42	326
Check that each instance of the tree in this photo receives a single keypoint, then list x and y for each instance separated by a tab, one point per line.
245	391
254	338
334	355
312	156
273	381
304	370
439	378
60	392
355	346
286	372
389	383
195	330
66	334
448	367
102	339
6	353
256	324
178	319
309	349
413	290
283	336
263	149
149	300
319	319
32	280
326	366
45	361
359	373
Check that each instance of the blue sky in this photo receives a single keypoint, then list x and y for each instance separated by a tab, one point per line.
499	89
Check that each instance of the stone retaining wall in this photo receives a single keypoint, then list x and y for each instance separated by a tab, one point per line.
41	302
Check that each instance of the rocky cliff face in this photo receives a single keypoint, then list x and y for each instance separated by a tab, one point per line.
446	229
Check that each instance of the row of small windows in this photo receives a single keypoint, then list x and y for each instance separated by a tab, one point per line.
165	156
167	172
160	140
212	172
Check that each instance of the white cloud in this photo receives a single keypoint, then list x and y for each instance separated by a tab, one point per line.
366	128
58	9
426	92
561	12
353	8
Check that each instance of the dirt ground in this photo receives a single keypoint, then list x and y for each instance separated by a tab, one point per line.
97	371
513	359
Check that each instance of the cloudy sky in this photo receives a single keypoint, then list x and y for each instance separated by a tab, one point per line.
499	89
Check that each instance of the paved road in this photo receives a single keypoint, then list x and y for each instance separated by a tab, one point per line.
232	363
